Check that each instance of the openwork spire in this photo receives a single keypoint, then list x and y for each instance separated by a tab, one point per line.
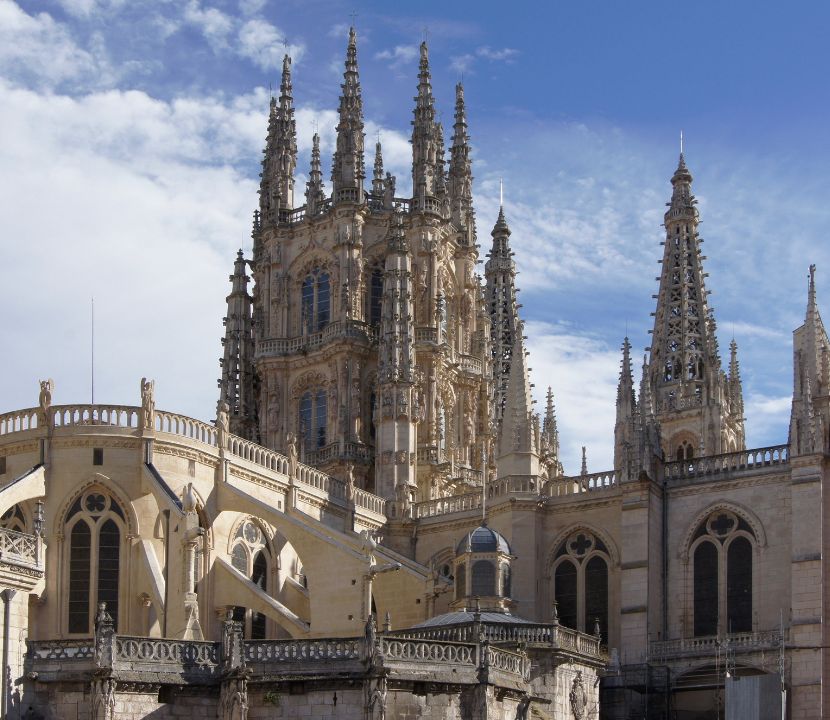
550	438
237	386
811	394
461	173
500	275
377	177
280	156
519	438
627	425
626	403
314	195
427	141
689	386
348	166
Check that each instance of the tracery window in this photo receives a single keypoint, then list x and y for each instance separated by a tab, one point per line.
685	451
580	583
483	581
722	597
13	519
315	303
251	555
95	525
312	420
375	295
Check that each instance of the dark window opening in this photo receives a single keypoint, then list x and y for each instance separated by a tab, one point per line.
596	596
97	456
739	586
565	587
706	590
80	548
483	578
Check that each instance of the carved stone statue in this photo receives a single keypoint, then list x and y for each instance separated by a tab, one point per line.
148	403
293	457
578	697
222	424
350	487
45	399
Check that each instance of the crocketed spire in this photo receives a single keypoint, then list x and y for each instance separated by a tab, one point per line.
427	142
348	164
461	175
237	384
314	195
690	389
280	155
377	177
500	275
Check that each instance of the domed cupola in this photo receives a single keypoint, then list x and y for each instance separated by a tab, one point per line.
482	571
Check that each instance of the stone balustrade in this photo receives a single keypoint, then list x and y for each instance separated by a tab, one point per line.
120	416
311	341
370	502
428	651
577	484
56	650
177	656
426	334
175	424
295	651
471	364
732	463
446	505
17	548
18	421
661	651
509	661
257	454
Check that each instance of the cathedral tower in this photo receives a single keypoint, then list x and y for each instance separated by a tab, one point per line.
693	397
362	299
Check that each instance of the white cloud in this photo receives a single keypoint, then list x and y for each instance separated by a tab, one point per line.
399	56
38	51
583	373
251	7
466	61
215	25
263	44
85	8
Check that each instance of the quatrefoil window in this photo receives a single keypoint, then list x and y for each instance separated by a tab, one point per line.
580	544
95	502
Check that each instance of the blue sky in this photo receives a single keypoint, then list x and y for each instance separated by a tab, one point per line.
132	131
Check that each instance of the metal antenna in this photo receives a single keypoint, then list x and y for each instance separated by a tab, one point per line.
681	142
92	350
501	193
353	16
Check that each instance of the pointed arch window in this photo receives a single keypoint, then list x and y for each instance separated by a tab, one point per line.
315	301
96	527
313	419
375	295
722	584
581	582
251	556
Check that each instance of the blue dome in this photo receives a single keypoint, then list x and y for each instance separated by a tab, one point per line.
481	540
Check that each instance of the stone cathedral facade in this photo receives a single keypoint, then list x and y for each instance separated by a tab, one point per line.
377	523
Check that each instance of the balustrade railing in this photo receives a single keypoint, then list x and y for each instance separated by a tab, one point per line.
166	654
406	649
742	460
471	364
443	506
123	416
311	341
257	454
18	548
184	426
709	646
285	651
370	502
76	649
577	484
19	421
426	334
509	661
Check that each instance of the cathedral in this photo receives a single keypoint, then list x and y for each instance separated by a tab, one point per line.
377	523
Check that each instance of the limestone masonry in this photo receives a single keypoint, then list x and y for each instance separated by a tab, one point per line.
378	525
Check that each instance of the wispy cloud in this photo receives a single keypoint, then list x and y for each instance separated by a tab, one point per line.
466	61
215	25
398	57
38	51
263	44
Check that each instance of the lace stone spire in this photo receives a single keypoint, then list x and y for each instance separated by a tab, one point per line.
314	195
689	385
348	164
237	386
550	438
500	275
377	178
280	156
427	140
460	174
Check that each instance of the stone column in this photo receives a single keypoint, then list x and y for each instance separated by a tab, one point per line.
233	695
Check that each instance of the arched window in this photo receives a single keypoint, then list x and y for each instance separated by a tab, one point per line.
739	586
505	580
706	589
375	295
483	579
312	420
315	301
13	519
566	594
95	525
581	583
250	555
596	596
722	575
461	581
